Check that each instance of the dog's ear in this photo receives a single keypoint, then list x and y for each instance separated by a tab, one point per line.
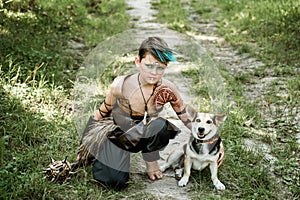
191	112
220	118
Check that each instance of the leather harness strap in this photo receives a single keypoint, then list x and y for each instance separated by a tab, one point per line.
214	143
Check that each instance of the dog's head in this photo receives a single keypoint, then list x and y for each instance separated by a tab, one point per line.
204	125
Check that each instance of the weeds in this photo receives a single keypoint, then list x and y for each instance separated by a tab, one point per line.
272	37
37	32
173	14
38	64
43	44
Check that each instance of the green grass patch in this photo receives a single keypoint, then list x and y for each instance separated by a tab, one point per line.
267	29
245	173
39	33
269	36
43	44
172	13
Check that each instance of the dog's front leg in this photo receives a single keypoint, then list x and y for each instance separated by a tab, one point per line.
214	176
187	171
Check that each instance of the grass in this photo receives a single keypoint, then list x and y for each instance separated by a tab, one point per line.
39	33
43	44
271	37
252	28
168	13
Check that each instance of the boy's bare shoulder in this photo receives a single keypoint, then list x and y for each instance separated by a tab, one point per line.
116	86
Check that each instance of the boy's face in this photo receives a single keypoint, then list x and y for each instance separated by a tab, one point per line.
151	70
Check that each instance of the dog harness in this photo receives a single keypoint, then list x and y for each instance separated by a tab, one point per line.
213	145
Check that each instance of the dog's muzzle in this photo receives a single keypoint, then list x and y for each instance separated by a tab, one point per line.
201	132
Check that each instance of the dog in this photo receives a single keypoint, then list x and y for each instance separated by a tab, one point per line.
204	148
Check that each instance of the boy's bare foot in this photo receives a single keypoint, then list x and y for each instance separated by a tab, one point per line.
153	171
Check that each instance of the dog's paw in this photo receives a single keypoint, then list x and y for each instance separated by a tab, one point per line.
178	173
183	181
219	185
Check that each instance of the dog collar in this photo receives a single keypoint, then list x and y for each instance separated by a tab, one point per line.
213	144
210	141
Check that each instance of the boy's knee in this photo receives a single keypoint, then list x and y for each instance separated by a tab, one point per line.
110	177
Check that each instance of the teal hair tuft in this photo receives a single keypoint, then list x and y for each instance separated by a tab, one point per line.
170	56
166	55
162	59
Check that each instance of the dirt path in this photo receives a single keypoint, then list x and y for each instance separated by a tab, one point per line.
223	53
167	187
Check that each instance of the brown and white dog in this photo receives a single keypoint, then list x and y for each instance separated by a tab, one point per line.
204	148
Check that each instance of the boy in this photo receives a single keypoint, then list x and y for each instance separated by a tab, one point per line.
131	109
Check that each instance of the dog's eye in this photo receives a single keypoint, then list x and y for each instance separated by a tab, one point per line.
208	122
198	120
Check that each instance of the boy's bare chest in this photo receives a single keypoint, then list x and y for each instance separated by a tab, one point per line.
137	96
